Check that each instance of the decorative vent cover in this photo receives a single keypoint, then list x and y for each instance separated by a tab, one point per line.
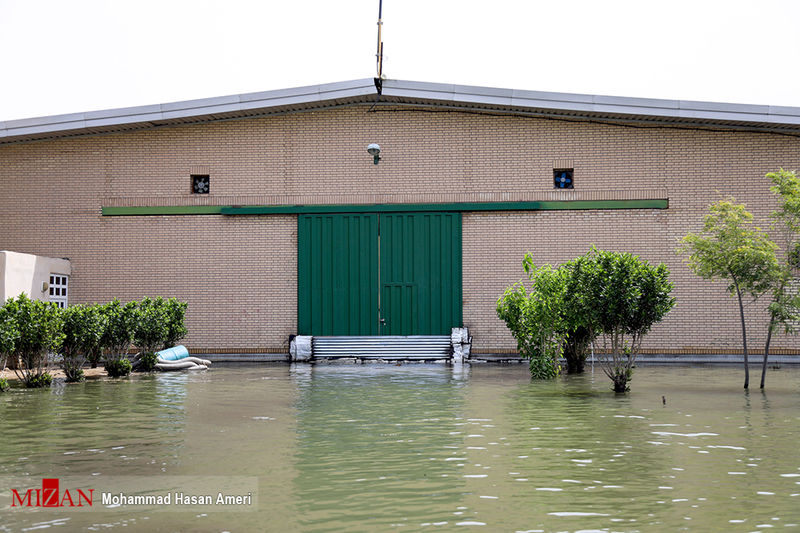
201	183
562	178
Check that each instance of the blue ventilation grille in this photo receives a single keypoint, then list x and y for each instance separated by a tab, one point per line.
562	178
200	184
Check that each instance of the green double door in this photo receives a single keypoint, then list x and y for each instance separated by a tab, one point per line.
379	274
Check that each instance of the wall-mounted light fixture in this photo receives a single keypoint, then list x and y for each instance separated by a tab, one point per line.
375	151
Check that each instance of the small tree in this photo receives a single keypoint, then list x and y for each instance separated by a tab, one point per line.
39	325
83	330
577	312
72	353
118	336
731	248
535	318
152	329
176	314
95	321
784	309
9	333
627	296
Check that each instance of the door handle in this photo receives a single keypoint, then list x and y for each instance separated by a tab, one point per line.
382	321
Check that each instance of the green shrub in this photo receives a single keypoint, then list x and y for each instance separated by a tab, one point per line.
577	312
118	367
40	333
576	349
9	333
148	362
152	325
118	334
628	296
609	294
176	315
39	381
120	326
95	322
73	373
535	318
554	319
80	335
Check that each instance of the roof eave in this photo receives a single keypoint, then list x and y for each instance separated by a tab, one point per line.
642	111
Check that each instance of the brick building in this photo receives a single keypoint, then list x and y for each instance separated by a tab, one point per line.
264	210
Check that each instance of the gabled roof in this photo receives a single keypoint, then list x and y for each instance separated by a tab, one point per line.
610	109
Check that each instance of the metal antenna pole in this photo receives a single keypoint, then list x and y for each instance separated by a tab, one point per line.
379	54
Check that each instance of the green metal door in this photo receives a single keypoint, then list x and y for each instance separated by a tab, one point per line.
393	274
337	271
420	273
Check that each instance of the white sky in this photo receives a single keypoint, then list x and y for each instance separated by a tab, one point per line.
63	56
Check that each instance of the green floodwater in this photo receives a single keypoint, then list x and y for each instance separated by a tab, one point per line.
414	447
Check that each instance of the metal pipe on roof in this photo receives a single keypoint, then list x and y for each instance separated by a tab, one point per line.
379	54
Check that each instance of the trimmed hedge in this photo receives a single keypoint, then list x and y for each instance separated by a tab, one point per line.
31	330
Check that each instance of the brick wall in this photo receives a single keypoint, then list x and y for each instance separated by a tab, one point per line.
239	273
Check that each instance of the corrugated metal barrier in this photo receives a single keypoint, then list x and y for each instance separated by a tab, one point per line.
418	347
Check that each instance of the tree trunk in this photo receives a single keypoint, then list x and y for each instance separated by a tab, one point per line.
772	319
575	351
744	337
766	349
572	364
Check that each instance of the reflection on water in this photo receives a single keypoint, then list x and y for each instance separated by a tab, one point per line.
50	428
374	447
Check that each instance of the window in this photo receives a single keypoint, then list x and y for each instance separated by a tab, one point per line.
794	256
562	178
58	289
201	183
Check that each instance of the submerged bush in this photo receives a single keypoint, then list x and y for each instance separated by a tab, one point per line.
31	330
613	295
152	324
40	333
576	349
9	333
554	319
176	314
118	335
73	369
628	296
118	367
147	362
40	381
95	321
81	335
160	324
534	318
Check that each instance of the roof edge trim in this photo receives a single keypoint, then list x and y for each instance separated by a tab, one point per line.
607	108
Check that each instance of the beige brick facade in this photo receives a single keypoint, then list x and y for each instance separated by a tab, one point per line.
239	273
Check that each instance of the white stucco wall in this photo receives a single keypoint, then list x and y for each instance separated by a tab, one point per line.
29	274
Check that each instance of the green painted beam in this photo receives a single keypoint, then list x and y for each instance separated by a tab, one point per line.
465	206
163	210
383	208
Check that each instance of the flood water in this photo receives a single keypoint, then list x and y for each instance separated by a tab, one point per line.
414	447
